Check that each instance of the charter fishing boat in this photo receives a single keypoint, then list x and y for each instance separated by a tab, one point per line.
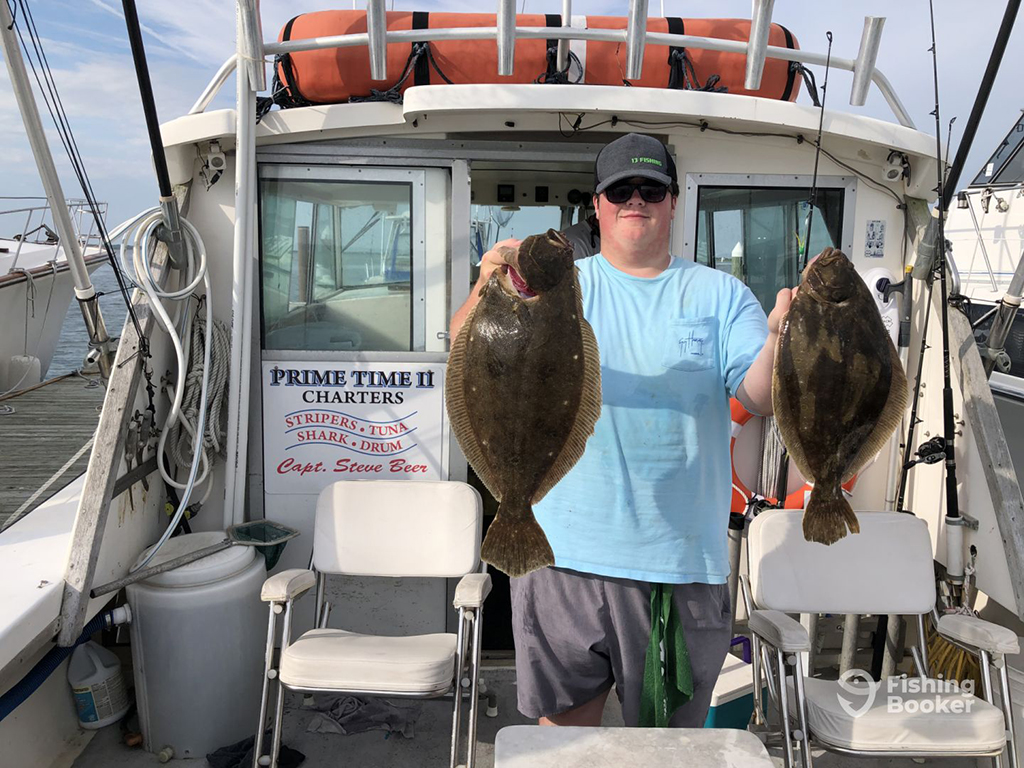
354	199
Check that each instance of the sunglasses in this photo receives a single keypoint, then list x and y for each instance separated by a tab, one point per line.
650	192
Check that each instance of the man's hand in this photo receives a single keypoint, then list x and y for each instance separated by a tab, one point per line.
490	261
494	258
782	301
755	391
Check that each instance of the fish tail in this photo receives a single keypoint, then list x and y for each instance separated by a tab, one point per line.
515	543
828	515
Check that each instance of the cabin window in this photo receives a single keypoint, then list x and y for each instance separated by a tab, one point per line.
489	224
336	264
757	233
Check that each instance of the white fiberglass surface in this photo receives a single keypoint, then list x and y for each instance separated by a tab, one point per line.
33	559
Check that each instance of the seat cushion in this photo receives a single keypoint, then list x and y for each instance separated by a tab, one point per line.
346	661
870	722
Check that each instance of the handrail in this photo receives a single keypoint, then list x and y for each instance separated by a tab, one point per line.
215	85
78	209
361	39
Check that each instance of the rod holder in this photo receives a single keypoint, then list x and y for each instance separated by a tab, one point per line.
506	37
171	232
252	42
563	45
636	38
864	64
757	46
377	29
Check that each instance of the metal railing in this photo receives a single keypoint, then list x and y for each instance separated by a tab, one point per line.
37	226
635	36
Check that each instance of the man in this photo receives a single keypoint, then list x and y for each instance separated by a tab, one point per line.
584	236
639	525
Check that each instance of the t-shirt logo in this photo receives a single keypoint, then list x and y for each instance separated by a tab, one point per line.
692	345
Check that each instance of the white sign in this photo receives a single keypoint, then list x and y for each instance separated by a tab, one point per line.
874	239
324	422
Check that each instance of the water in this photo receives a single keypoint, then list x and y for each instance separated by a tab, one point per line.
73	344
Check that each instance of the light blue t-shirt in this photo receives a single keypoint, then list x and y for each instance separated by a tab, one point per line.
649	499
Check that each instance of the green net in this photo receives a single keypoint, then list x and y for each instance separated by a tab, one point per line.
269	537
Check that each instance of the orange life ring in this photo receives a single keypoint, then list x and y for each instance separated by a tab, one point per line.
741	495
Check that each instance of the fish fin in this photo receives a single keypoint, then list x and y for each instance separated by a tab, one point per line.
458	412
588	412
784	416
888	420
828	516
515	543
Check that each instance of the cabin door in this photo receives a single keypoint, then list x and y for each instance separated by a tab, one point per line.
354	276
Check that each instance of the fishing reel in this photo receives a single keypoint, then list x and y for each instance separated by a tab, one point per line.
931	452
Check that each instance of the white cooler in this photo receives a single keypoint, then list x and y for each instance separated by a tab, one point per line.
732	702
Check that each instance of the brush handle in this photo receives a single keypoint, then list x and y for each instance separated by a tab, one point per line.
152	570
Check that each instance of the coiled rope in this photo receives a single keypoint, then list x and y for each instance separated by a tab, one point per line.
181	440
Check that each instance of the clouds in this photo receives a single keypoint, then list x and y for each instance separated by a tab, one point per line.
187	40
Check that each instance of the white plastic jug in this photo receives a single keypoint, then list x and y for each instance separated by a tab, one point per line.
98	686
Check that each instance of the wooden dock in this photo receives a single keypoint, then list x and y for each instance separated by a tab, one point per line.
41	430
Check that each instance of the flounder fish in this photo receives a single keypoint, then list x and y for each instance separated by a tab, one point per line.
523	392
838	388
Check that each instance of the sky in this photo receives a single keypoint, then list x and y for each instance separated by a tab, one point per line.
187	40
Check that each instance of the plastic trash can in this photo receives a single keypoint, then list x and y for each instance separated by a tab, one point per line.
199	636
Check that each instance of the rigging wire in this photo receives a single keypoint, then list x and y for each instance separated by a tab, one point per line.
55	106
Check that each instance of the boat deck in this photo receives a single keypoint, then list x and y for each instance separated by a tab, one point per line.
430	744
41	430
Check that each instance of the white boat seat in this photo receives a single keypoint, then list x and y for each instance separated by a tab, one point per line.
334	659
980	728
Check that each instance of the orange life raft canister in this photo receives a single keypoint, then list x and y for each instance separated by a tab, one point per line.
334	75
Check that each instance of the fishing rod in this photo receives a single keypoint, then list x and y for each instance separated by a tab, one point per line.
991	69
817	155
782	480
932	451
924	267
171	232
948	427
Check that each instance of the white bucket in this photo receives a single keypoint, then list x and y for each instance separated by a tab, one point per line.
98	686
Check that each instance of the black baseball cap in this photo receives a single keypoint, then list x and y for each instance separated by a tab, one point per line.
633	155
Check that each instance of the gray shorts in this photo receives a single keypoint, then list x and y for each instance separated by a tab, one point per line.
576	634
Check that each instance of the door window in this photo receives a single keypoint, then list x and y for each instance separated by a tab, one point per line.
758	233
336	264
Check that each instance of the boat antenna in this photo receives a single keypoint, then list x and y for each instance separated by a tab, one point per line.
817	155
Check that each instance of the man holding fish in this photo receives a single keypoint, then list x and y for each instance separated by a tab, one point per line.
637	522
